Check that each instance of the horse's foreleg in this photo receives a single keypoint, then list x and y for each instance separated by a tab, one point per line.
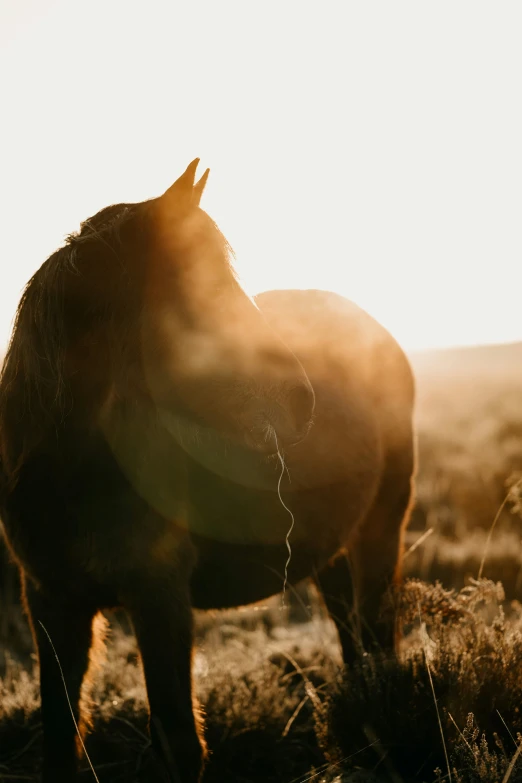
162	617
63	634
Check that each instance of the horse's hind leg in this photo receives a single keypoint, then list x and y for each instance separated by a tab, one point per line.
353	585
334	582
69	628
161	613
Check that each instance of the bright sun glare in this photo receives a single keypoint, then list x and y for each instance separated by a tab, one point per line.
369	148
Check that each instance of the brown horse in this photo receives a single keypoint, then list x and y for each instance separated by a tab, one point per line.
145	401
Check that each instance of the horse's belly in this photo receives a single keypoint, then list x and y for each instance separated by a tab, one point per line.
241	539
248	540
228	576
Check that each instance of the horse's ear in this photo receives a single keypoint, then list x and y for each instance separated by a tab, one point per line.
198	189
181	192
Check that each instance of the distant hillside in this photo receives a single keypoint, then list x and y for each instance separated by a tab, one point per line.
471	388
494	361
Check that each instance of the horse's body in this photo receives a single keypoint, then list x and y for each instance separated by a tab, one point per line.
126	500
349	480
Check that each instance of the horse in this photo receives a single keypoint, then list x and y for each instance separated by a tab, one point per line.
168	443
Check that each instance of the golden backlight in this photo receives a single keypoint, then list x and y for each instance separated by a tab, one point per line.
376	154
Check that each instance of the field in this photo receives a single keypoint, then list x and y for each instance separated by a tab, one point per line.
279	708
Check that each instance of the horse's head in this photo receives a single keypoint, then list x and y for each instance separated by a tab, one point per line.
169	322
207	352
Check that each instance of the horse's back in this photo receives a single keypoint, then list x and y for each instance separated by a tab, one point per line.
317	324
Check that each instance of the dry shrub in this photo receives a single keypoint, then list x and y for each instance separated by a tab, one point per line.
387	711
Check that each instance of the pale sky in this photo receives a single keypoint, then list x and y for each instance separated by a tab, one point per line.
371	148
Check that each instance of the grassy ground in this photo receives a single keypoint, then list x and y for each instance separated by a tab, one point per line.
469	422
280	708
278	705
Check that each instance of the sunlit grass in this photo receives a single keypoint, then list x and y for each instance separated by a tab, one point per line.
279	707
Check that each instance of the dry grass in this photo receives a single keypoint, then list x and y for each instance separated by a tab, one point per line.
280	708
469	423
474	659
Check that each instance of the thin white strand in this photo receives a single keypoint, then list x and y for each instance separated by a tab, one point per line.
292	518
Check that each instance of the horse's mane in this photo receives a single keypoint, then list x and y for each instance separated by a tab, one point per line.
35	394
33	387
